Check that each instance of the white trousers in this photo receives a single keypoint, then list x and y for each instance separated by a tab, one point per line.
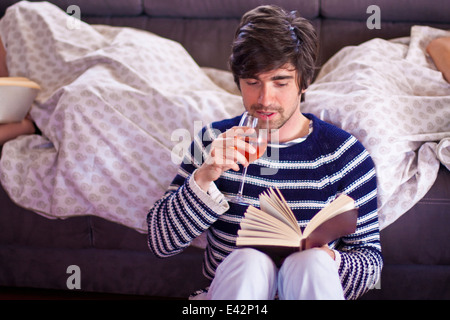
248	274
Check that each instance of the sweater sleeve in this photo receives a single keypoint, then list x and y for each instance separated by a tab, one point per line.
360	253
185	210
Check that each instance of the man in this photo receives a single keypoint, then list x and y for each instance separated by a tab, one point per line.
272	62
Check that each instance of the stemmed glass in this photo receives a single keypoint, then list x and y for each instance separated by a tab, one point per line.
259	139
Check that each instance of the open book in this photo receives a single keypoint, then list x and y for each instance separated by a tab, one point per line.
16	95
276	226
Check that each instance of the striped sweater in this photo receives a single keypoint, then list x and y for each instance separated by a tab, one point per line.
309	173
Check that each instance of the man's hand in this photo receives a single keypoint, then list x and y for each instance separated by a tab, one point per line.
328	250
226	152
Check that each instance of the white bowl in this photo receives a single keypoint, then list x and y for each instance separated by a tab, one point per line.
16	97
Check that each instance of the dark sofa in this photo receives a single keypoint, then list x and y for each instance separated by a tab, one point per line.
36	251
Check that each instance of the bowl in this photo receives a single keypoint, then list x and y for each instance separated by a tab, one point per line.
16	97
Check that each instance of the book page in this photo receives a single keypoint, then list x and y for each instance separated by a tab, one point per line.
275	224
255	217
276	206
341	204
334	228
266	238
261	222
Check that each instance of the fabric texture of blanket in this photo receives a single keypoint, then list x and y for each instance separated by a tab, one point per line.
389	95
117	108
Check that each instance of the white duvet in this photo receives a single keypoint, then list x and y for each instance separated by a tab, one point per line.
115	103
118	106
391	97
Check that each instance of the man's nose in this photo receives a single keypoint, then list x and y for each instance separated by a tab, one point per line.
265	95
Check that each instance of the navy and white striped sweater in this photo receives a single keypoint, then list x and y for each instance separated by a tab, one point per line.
309	173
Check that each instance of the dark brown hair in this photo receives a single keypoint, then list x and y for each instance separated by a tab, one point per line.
268	37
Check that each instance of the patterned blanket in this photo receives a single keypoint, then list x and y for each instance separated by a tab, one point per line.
117	109
391	97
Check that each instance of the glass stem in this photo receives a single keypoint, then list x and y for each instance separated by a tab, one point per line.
241	188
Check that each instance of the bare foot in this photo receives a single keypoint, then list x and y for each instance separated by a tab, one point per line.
439	50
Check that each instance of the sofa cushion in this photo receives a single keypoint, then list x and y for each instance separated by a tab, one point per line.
25	228
93	8
123	238
208	41
398	10
420	236
223	9
336	34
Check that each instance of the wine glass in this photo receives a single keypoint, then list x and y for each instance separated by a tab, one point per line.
259	139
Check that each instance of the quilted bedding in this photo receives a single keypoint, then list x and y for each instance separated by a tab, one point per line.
119	105
117	108
389	94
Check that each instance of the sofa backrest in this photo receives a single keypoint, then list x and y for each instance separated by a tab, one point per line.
206	27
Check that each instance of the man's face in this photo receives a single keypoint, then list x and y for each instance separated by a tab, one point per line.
273	95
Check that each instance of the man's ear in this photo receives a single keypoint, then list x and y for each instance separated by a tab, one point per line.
302	97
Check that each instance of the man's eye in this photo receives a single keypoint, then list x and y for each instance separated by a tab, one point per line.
282	84
252	83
